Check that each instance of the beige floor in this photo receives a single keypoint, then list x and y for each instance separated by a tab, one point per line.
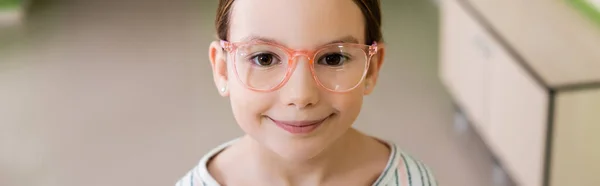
101	93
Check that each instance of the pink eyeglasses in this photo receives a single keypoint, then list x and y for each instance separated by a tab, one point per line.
264	66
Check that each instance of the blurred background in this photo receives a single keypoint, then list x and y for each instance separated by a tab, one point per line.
101	93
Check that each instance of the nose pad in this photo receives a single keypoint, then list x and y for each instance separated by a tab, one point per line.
301	90
297	56
301	66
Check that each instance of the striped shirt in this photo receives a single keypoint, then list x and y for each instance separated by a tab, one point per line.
401	170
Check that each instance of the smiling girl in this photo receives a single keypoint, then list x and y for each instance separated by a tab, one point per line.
296	72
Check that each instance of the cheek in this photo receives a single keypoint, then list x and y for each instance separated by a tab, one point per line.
348	105
248	106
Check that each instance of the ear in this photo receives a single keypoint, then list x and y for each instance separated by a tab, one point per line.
373	71
218	61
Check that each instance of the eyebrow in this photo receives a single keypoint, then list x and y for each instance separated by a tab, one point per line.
259	38
345	39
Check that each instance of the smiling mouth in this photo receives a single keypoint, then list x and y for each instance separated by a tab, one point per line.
299	127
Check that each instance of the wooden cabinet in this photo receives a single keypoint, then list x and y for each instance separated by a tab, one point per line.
464	65
555	39
576	149
518	118
541	131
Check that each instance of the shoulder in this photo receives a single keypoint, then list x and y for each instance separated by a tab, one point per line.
415	172
199	175
191	179
406	170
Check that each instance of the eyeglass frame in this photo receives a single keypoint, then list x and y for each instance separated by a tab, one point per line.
231	48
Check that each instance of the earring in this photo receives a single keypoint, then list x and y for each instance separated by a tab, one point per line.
223	89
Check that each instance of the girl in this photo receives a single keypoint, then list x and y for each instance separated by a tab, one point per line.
296	72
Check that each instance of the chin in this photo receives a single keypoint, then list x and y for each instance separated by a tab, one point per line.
298	153
297	149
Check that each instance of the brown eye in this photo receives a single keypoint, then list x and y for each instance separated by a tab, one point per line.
333	60
264	60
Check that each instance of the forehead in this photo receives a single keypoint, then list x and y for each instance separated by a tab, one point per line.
299	24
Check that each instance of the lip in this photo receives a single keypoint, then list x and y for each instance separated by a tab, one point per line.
299	127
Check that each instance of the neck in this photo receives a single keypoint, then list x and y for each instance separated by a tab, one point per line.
336	158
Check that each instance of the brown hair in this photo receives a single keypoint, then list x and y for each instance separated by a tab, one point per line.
370	9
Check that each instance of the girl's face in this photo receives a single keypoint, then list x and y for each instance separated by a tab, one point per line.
274	118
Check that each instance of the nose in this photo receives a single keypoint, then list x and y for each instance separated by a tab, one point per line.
301	90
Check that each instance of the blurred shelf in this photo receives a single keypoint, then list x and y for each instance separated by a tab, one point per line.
527	74
558	42
576	141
